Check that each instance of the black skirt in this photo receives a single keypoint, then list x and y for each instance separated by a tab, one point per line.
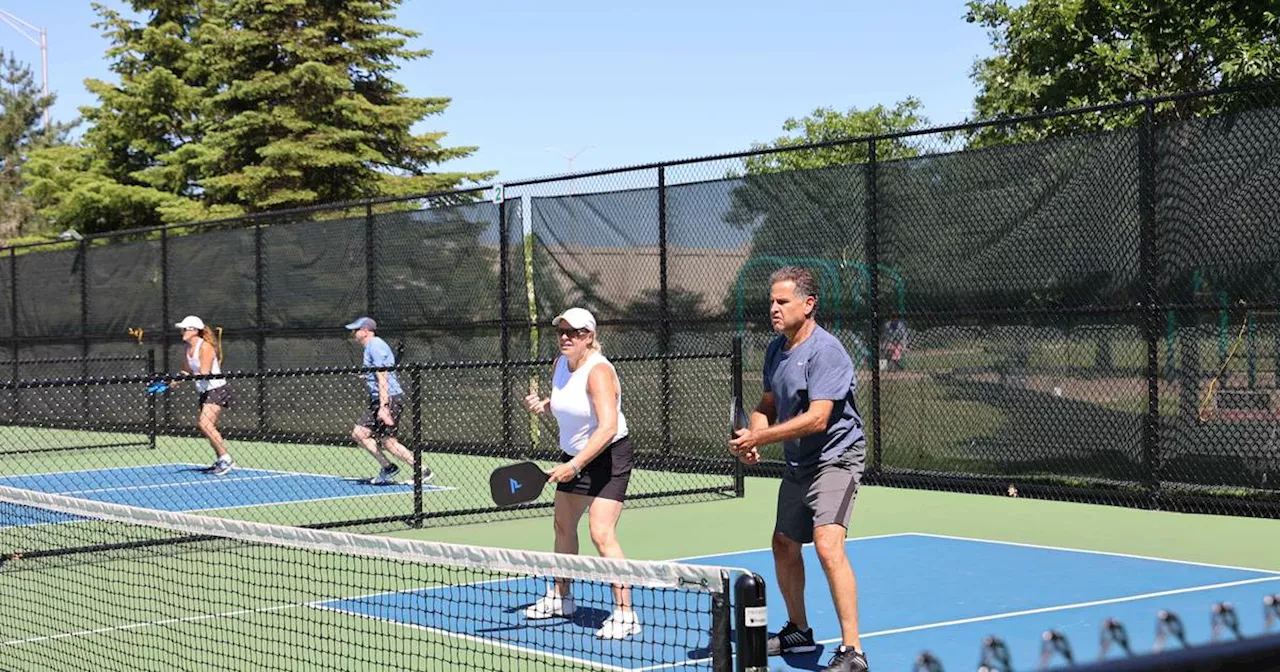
606	476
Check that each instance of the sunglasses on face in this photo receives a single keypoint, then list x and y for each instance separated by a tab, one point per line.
571	333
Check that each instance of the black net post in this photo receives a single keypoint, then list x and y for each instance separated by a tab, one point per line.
664	316
1151	323
151	400
752	623
873	304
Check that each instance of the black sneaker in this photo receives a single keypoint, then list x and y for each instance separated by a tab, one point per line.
846	659
791	640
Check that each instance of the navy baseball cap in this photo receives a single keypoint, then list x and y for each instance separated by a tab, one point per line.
363	323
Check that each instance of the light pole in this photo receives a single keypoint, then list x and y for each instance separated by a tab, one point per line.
40	38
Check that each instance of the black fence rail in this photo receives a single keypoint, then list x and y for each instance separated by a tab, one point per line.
1036	307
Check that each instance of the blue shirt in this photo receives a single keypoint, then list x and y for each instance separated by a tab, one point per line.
378	353
818	368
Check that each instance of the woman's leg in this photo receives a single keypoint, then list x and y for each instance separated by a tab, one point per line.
568	511
209	427
603	521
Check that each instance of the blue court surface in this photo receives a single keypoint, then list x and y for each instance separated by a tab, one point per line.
916	592
188	487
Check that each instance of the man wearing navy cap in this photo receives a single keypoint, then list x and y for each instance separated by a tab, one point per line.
378	424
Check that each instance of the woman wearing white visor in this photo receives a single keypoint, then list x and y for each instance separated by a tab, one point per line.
215	395
586	400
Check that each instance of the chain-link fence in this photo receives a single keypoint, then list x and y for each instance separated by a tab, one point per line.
1036	307
300	464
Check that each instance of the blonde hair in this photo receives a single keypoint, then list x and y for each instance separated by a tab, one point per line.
596	346
208	336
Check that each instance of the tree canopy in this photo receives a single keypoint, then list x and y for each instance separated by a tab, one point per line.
1060	54
226	107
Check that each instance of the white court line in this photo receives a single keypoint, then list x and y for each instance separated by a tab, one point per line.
148	624
473	638
1091	552
95	469
316	605
274	471
393	490
770	550
125	488
1062	607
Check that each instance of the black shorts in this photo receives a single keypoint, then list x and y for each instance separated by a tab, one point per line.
606	476
220	396
371	421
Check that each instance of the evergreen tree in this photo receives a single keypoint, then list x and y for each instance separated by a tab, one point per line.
231	106
22	106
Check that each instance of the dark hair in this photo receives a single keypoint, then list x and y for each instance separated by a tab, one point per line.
803	279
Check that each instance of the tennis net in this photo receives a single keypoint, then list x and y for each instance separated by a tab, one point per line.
93	585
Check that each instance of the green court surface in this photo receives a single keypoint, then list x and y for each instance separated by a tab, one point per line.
231	607
285	483
688	530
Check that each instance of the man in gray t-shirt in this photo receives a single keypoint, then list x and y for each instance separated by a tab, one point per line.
809	406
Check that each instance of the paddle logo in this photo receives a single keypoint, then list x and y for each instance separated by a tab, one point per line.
516	483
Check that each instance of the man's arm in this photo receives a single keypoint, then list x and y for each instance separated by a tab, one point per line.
384	395
382	357
764	413
812	421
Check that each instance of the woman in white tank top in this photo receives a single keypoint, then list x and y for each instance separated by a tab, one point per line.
596	461
202	359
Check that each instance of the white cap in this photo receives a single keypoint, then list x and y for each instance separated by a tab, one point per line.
190	322
578	318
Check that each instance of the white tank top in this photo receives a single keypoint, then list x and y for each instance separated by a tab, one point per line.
571	405
193	362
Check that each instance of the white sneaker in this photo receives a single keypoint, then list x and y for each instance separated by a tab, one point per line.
223	465
386	475
550	605
620	625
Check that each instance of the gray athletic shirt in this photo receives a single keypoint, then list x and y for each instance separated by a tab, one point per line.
818	368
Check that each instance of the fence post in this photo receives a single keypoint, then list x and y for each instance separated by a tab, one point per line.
84	326
13	324
370	263
151	400
873	304
416	403
664	316
735	379
504	322
165	320
1151	311
259	318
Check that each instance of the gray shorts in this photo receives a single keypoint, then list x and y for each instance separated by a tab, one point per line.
823	494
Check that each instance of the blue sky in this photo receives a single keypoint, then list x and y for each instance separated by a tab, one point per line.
642	82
